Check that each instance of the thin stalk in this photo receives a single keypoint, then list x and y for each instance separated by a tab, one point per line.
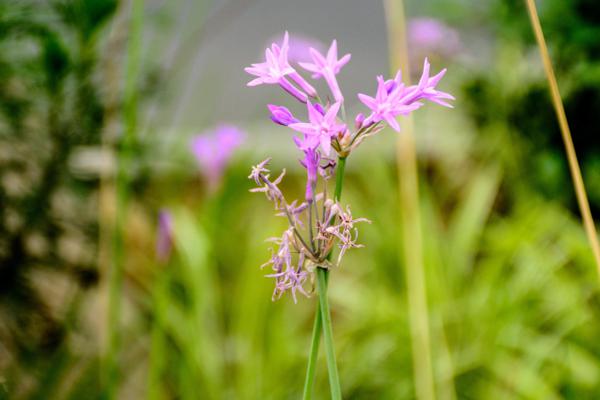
310	227
122	181
334	379
411	222
158	348
339	178
582	200
311	370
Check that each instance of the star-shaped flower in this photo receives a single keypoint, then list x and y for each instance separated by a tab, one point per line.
385	105
426	88
393	98
327	67
276	68
320	129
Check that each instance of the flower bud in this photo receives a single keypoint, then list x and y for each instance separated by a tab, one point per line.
319	108
281	115
345	139
358	121
390	85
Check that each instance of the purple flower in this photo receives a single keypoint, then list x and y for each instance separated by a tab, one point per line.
276	68
358	121
319	108
281	115
426	88
393	98
431	36
299	47
385	106
311	163
213	149
164	236
327	67
319	224
320	129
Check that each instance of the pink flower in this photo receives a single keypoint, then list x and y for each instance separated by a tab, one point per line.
327	67
385	106
276	68
213	150
393	98
320	129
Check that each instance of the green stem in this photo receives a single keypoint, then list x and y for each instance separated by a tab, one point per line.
157	339
318	324
124	161
311	370
334	380
339	178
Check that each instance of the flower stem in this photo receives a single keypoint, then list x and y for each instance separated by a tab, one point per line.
318	324
111	370
334	380
311	370
416	284
339	178
584	206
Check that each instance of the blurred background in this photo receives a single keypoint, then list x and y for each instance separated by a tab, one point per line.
129	262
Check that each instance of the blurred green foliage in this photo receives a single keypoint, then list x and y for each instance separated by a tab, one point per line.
572	29
50	107
514	304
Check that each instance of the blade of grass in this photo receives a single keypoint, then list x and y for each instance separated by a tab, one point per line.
198	333
111	370
582	200
411	222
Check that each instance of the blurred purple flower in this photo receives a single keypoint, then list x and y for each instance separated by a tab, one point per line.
214	148
327	67
299	47
427	36
164	236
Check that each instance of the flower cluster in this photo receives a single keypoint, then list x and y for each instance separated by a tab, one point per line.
315	226
318	223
